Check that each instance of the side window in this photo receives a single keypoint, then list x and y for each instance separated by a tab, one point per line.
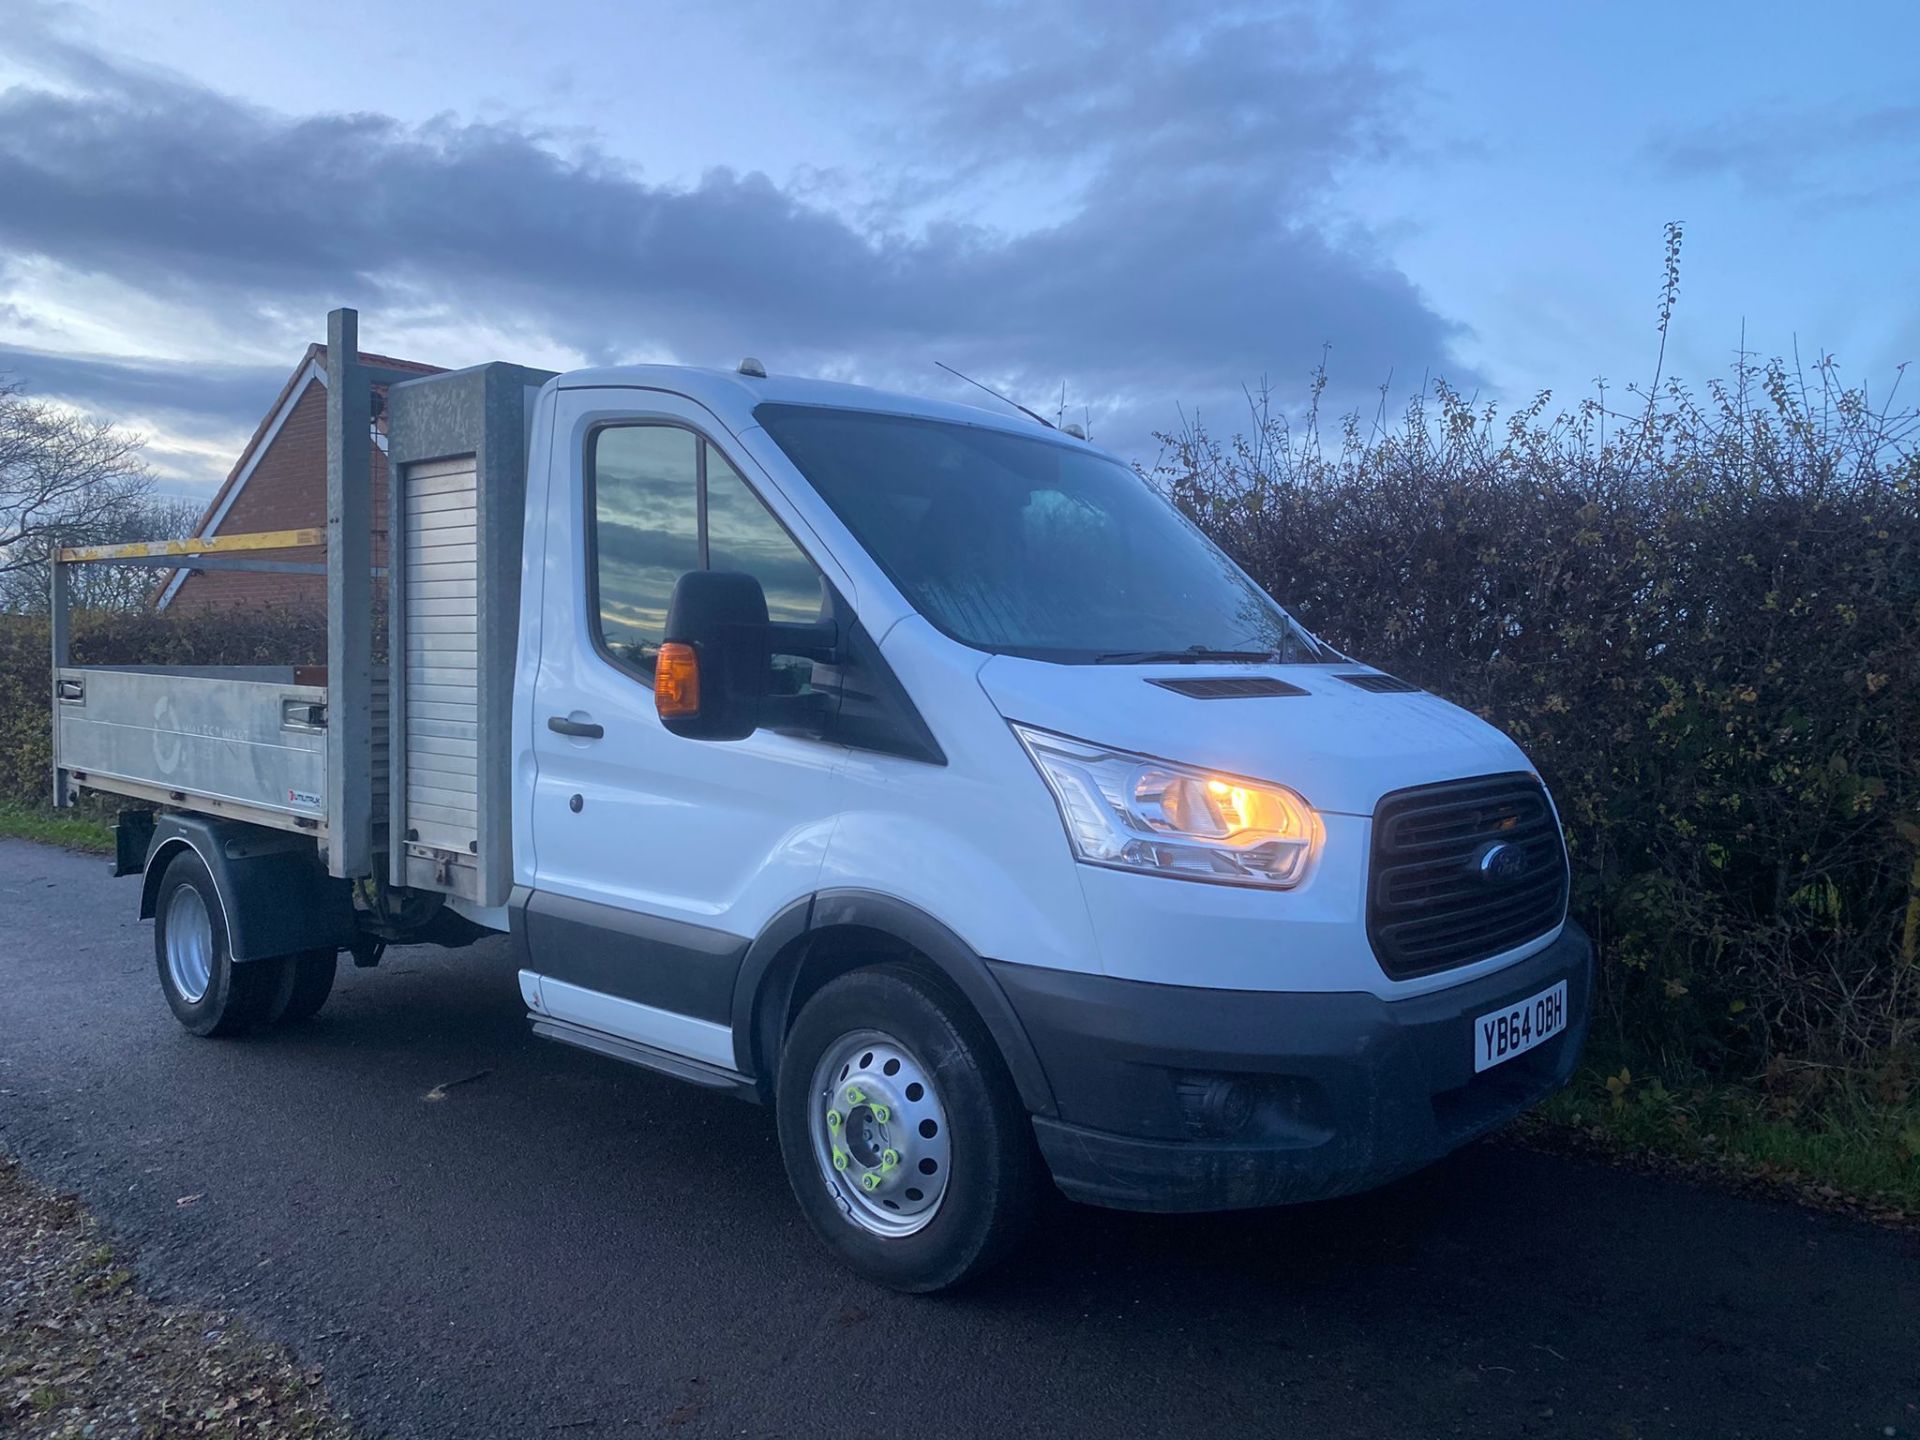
743	535
645	484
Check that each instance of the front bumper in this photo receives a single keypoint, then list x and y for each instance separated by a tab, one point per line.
1176	1098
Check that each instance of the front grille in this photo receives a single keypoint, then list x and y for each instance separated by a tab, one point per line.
1437	897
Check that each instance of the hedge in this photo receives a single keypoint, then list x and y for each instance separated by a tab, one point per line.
1704	628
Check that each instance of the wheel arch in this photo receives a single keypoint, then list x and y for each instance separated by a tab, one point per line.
275	898
161	854
832	932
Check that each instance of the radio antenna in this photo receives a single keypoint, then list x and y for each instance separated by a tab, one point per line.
998	396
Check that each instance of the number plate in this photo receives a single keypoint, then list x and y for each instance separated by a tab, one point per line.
1502	1034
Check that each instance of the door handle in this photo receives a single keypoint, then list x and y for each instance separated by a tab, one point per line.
583	729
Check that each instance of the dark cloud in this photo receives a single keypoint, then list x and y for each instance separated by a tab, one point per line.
1146	99
226	395
1193	255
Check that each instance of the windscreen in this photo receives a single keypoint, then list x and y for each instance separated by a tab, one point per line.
1029	546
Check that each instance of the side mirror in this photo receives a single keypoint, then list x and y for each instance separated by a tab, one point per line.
714	671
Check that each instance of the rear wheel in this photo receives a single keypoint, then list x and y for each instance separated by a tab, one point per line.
207	991
304	985
907	1147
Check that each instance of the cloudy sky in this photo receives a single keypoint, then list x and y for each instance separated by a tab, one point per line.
1150	203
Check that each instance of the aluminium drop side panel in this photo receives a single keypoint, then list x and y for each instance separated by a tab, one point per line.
458	469
240	740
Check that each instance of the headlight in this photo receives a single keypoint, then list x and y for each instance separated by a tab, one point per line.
1134	812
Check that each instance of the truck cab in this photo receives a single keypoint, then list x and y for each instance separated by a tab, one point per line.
920	772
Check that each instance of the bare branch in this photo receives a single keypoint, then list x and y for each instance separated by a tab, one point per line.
64	479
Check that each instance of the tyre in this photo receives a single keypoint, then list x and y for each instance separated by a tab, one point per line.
906	1144
305	982
207	992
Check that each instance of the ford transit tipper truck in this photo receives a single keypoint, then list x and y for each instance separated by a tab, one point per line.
912	769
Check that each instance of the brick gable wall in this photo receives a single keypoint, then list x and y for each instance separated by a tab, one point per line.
286	491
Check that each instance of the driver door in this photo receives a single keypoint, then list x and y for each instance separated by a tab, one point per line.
658	859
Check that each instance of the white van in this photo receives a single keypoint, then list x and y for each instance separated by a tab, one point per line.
912	768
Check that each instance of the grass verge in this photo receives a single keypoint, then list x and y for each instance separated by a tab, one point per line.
83	1352
1848	1151
74	830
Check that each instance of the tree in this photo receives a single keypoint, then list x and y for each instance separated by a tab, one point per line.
65	479
115	588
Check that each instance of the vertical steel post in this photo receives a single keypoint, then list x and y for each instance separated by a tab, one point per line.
397	634
349	602
57	629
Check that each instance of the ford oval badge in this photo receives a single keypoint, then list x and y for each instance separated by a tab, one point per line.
1502	864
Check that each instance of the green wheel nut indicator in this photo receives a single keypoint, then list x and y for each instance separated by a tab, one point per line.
839	1159
833	1119
881	1114
870	1181
855	1095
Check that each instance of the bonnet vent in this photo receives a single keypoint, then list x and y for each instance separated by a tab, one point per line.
1380	684
1229	687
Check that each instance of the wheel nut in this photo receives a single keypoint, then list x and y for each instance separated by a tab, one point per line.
870	1181
889	1159
855	1095
833	1119
839	1159
882	1114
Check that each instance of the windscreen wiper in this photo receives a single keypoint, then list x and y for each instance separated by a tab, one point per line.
1192	655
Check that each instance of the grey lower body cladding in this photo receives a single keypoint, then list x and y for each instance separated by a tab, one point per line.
1173	1098
667	964
1145	1096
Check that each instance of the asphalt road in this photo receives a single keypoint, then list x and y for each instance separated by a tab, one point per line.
561	1245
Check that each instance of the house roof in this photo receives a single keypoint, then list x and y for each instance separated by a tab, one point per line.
318	351
312	366
316	355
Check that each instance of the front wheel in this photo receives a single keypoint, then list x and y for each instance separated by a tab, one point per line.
908	1149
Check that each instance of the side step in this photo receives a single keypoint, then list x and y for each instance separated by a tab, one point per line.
698	1072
